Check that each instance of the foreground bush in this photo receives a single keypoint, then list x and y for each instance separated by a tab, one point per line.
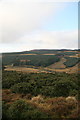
63	107
53	85
20	110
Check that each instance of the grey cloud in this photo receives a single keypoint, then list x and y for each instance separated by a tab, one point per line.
18	19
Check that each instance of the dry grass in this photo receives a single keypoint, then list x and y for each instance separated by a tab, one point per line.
74	69
48	54
53	106
58	65
37	54
22	69
70	51
75	56
69	70
8	96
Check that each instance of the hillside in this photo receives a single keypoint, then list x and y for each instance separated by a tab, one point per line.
59	64
40	95
34	86
54	59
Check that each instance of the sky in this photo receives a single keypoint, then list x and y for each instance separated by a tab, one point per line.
27	25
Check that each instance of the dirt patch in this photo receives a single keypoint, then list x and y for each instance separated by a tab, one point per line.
75	56
48	54
58	65
74	69
22	69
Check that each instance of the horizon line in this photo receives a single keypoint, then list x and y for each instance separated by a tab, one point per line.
38	49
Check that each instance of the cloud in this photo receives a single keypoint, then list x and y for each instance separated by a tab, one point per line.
52	39
44	40
20	17
20	1
21	23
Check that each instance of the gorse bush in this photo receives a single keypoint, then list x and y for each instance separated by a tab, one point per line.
53	85
22	88
9	79
58	107
20	110
40	92
62	107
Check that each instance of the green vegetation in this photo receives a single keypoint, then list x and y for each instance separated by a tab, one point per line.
53	88
35	60
34	96
39	59
71	61
47	84
20	110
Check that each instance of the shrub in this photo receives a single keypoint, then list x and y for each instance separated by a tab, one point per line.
38	99
62	107
20	110
22	88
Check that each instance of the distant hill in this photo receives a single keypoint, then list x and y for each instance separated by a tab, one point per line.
53	58
42	51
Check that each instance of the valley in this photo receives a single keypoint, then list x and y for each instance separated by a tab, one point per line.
42	61
43	83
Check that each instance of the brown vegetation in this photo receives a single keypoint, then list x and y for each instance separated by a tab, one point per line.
58	65
70	70
59	106
21	69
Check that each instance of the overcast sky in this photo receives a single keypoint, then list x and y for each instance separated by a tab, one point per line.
27	25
